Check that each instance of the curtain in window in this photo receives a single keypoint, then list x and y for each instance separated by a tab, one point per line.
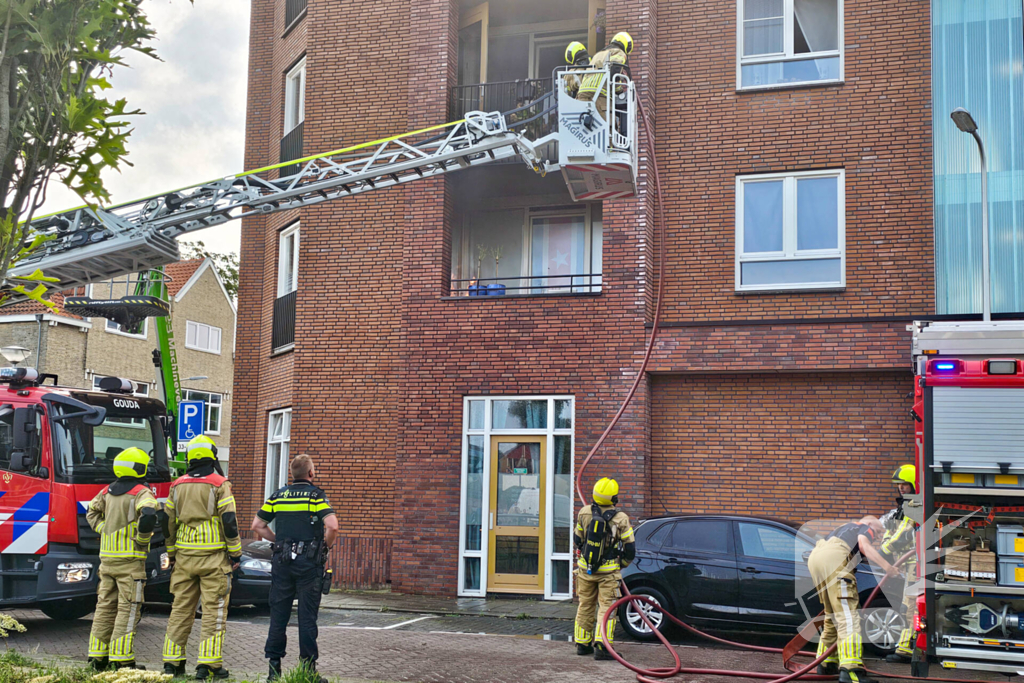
977	62
816	25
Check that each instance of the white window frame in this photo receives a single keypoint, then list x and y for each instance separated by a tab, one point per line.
787	55
189	324
487	432
297	74
133	423
187	394
789	232
286	234
285	443
117	329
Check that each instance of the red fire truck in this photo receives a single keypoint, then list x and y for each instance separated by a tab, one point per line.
969	417
57	446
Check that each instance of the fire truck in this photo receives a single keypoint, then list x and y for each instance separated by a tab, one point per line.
57	447
969	432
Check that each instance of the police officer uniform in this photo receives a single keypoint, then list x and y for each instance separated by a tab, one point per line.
124	514
300	553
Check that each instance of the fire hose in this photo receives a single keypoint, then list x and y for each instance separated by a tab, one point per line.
794	647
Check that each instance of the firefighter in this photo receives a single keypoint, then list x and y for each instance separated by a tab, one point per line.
593	87
832	565
306	529
203	543
124	515
900	535
605	542
577	57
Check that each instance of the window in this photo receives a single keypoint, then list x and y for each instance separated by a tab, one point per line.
202	337
771	543
790	231
117	329
141	389
295	96
789	42
279	434
702	536
288	261
6	436
213	406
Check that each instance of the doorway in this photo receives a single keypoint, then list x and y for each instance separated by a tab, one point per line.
516	518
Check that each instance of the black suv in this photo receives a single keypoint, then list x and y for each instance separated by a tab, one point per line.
724	572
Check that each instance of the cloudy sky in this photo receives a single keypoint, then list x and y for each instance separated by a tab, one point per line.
194	127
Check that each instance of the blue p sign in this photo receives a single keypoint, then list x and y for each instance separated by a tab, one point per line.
190	420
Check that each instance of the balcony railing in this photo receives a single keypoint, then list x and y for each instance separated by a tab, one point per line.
528	285
506	96
291	148
292	10
283	332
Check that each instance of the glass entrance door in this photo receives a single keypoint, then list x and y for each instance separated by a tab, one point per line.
516	519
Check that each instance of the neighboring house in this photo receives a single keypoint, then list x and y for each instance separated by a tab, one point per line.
82	351
818	199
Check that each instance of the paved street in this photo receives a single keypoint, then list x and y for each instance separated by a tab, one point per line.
401	646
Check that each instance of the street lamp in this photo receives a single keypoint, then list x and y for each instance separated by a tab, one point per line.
965	122
15	354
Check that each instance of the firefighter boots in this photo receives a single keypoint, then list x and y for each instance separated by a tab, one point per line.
205	673
898	658
828	669
172	669
601	653
98	663
583	649
854	676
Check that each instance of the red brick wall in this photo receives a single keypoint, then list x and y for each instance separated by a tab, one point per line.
798	446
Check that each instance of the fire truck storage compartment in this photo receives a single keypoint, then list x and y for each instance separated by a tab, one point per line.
978	430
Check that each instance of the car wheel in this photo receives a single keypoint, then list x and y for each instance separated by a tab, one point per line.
882	628
630	617
69	609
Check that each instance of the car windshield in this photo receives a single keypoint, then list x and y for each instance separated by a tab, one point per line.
85	454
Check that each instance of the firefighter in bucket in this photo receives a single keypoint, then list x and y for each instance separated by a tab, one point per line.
605	543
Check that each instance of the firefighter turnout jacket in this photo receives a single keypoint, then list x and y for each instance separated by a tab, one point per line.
899	539
592	86
201	516
115	513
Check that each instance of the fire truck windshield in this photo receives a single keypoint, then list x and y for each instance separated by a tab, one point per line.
84	454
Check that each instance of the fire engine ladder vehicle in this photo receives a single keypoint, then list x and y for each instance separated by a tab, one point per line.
62	439
969	431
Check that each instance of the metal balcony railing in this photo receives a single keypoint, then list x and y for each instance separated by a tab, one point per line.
283	332
291	148
292	10
528	285
506	96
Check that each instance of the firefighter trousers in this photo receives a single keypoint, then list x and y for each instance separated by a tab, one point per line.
910	592
833	574
596	593
195	578
118	609
299	578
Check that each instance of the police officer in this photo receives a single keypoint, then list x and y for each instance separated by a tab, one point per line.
832	565
203	543
306	529
900	537
577	57
124	515
605	542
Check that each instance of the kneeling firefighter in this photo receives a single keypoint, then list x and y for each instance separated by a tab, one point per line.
124	515
900	537
205	549
605	543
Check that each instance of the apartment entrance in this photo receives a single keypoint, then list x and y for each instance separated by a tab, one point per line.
516	520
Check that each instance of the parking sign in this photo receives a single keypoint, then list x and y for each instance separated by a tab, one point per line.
190	420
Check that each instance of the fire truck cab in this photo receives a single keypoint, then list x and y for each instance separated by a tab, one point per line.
57	446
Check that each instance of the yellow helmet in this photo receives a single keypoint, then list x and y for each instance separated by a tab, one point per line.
606	492
624	40
201	447
576	52
905	474
131	462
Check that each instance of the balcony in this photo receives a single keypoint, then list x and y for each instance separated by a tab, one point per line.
589	283
283	333
509	96
293	9
291	148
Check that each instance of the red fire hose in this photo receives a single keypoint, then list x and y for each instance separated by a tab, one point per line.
792	649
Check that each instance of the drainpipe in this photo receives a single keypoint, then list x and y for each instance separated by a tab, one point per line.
39	338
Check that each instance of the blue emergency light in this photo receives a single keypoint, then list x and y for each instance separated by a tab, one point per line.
945	366
949	366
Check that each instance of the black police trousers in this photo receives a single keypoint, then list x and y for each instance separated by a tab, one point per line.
299	578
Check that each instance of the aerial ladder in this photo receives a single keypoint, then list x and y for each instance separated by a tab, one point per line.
597	156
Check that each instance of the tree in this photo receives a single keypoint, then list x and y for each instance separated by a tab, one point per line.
226	264
55	123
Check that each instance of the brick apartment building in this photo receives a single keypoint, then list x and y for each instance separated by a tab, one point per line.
818	199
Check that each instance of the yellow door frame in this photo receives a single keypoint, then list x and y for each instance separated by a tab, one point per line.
517	583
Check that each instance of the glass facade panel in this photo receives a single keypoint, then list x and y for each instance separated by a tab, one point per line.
474	492
817	213
516	555
790	272
563	495
520	415
518	484
762	216
977	53
781	73
563	414
560	577
476	414
472	571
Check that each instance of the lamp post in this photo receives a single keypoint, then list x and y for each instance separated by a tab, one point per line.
15	354
965	122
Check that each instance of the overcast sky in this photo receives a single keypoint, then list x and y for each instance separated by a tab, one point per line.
194	127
